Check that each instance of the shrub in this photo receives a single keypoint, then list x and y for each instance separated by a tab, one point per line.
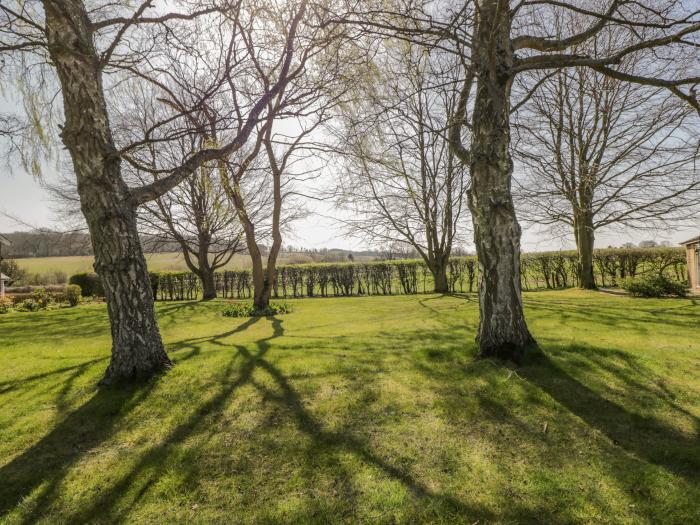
5	304
41	297
58	277
654	286
90	284
28	305
247	310
17	298
73	294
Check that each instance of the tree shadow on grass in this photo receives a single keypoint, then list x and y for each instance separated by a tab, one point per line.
610	314
153	463
49	460
155	459
169	314
643	436
587	383
343	441
12	384
86	322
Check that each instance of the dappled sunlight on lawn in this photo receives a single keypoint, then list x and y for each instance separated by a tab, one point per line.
359	409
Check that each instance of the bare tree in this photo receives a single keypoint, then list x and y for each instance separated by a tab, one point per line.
498	40
596	152
81	45
277	165
401	180
197	215
285	142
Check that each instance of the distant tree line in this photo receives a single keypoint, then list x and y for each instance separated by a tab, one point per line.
40	243
50	243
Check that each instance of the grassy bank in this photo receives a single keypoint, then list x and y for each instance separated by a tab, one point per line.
358	410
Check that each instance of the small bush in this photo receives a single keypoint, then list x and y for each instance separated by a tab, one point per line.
5	304
41	297
73	294
90	284
29	305
655	286
247	310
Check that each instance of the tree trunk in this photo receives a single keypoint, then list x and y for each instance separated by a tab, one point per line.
585	237
440	277
137	349
206	272
208	284
503	332
261	300
261	288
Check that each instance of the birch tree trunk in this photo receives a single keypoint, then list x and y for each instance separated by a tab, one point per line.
137	348
503	332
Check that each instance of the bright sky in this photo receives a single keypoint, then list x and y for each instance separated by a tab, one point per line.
23	197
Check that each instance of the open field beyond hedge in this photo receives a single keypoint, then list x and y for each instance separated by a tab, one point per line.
354	410
157	262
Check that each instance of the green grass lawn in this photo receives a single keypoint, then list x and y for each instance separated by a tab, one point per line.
358	410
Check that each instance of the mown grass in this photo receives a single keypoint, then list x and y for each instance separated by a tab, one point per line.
358	410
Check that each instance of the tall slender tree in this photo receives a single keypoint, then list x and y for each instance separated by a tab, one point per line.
596	152
67	35
286	140
400	181
499	40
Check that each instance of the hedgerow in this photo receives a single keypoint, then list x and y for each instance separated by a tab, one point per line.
543	270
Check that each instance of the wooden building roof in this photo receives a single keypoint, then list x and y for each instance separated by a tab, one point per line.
694	240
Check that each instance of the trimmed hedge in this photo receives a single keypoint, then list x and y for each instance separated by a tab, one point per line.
611	266
39	294
543	270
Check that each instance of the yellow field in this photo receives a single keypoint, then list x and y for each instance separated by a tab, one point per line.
157	262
